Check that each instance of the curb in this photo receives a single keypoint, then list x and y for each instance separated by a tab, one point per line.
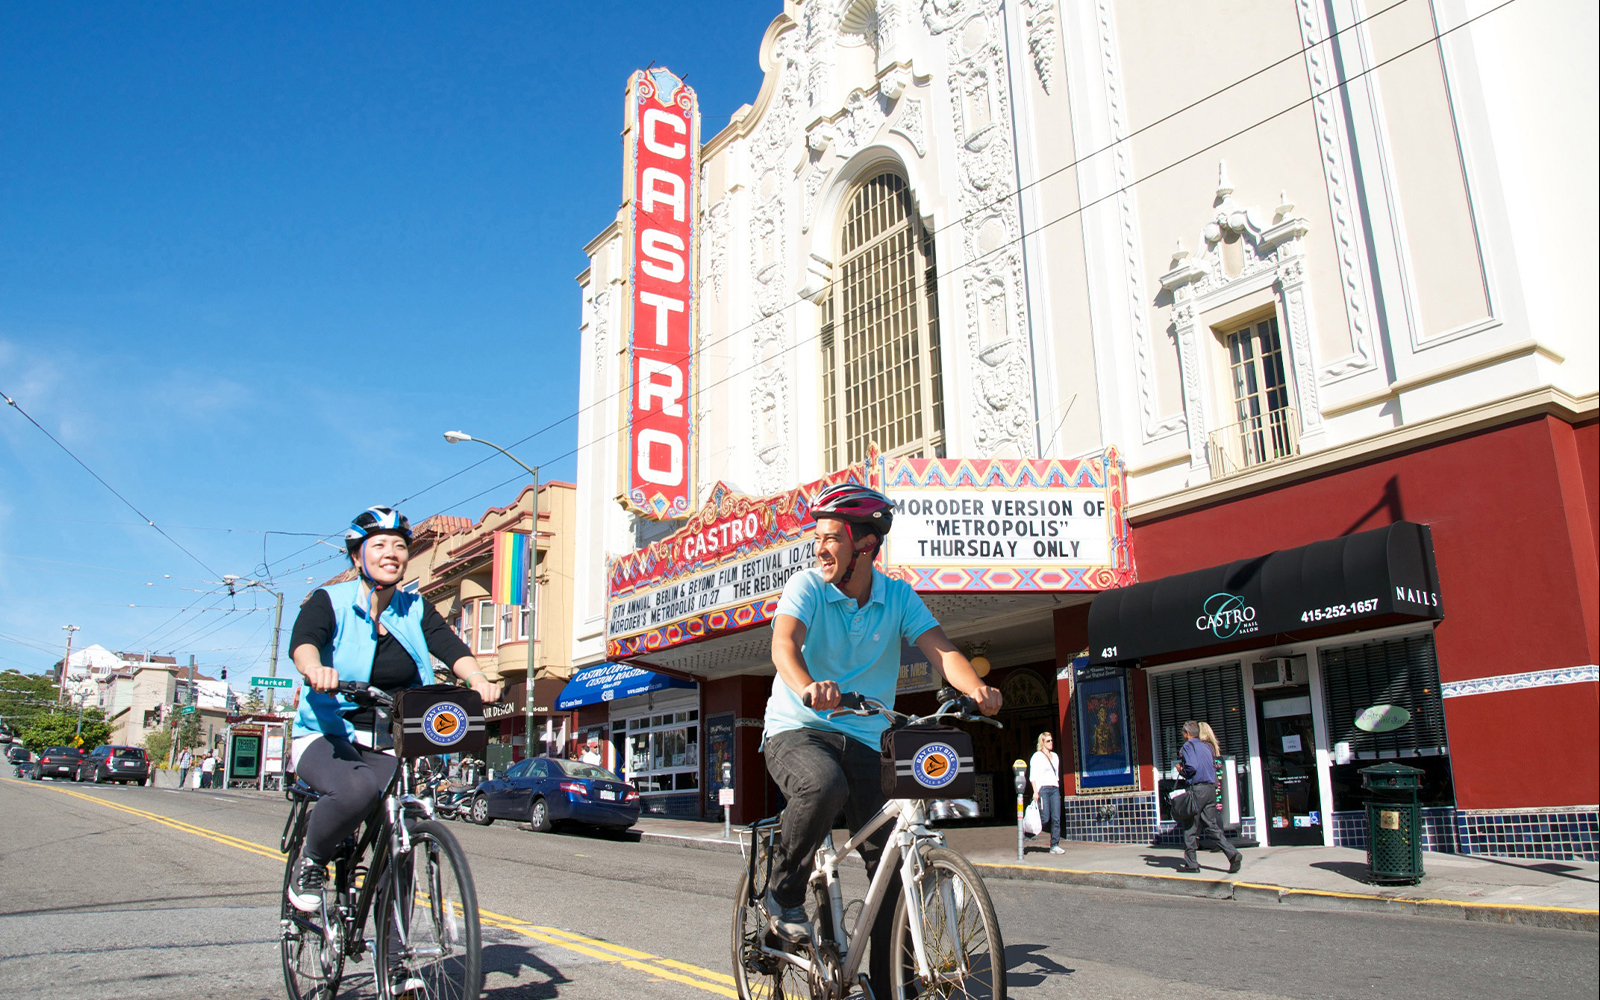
1557	917
1561	918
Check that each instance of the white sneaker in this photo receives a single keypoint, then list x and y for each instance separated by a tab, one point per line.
1058	849
788	922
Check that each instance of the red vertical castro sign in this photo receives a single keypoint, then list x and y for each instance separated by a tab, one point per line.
664	150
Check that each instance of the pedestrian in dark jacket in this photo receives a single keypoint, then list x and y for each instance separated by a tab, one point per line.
1198	763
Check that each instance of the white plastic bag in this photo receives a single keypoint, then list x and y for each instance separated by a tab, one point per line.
1030	819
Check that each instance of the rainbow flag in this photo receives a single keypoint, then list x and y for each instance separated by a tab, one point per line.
509	583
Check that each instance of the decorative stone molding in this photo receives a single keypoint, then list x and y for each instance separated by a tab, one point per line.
600	322
1153	425
1337	169
714	240
1586	674
1000	405
1040	19
909	124
1268	257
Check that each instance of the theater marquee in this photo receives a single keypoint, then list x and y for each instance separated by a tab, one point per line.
998	524
662	147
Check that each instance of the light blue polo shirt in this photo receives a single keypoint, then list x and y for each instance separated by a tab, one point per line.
857	648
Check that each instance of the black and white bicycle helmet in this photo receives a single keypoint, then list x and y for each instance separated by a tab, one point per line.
375	521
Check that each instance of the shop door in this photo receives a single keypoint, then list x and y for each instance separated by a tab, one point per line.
1289	767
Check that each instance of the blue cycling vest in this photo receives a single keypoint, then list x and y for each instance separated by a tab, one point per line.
354	644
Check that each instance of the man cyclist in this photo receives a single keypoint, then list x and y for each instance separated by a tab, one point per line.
840	625
366	630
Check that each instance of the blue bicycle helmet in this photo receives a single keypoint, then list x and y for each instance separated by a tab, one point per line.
375	521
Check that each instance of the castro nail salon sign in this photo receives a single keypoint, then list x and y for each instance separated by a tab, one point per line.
1000	524
722	572
663	150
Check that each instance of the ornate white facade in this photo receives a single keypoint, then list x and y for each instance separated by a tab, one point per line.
1107	200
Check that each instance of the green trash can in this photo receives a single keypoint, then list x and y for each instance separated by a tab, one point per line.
1394	823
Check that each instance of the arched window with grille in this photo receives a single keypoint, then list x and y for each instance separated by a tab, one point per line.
880	332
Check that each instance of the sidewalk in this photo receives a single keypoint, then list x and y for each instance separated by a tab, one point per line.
1563	894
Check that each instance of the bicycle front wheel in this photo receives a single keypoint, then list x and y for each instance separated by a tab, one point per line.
960	933
428	942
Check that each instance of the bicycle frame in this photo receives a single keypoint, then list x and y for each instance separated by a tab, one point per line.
901	852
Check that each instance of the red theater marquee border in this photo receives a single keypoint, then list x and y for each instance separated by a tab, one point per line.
662	153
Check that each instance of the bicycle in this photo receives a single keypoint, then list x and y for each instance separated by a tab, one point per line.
945	940
406	870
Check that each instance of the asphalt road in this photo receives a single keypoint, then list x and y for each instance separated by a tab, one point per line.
136	892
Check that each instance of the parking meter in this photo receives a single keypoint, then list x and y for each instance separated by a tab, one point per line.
725	799
1019	769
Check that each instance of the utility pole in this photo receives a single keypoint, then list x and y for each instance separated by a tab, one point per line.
272	670
66	662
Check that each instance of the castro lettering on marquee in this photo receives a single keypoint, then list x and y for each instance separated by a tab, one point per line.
663	150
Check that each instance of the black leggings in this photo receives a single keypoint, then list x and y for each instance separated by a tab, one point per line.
351	779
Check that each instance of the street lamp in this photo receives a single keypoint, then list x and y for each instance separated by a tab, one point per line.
456	437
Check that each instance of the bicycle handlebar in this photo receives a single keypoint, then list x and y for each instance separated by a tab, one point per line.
952	705
360	691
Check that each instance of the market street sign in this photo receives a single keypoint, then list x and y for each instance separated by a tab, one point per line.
271	682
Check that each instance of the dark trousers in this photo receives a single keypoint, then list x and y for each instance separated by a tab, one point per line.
819	774
1205	820
1050	811
351	779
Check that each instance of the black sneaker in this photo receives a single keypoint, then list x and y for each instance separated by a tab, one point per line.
787	922
305	889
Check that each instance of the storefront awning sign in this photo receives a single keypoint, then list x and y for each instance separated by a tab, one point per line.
1008	524
1386	572
610	681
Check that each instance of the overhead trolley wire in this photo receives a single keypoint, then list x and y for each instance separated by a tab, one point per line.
630	386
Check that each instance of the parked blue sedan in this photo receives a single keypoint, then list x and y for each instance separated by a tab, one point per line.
547	791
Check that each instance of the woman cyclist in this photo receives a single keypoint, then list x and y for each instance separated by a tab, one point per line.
367	630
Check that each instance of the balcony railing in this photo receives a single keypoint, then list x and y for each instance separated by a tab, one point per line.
1258	440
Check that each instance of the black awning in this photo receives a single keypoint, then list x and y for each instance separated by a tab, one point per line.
1384	573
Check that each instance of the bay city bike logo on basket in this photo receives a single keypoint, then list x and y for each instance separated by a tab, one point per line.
935	765
445	724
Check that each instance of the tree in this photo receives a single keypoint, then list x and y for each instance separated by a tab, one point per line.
255	701
158	744
24	697
189	735
57	729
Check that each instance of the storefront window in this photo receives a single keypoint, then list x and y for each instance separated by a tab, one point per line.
1207	694
664	752
1399	672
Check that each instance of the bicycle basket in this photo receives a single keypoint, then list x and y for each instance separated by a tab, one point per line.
927	762
438	718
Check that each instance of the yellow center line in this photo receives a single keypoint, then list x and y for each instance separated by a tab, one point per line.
630	958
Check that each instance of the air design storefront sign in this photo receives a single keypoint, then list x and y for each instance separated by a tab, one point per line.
663	151
998	524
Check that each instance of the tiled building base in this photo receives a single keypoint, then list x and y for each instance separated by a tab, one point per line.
1560	834
672	806
1128	818
1439	829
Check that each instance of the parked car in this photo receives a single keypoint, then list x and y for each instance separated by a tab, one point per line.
20	758
115	763
58	762
548	791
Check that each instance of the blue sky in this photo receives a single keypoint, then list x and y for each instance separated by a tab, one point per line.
256	258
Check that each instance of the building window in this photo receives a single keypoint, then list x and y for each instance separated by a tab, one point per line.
513	622
664	752
1399	672
1206	694
880	332
1265	428
485	627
